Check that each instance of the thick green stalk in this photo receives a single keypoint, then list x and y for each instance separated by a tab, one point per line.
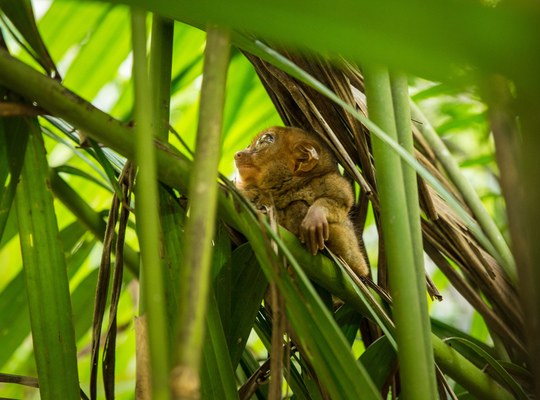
58	100
402	115
161	52
415	353
147	202
172	216
174	170
46	278
467	191
460	369
201	223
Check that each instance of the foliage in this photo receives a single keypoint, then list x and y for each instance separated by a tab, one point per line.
80	98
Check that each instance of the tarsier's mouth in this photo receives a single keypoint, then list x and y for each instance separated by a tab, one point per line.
240	165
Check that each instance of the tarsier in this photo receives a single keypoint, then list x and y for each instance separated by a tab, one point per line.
296	173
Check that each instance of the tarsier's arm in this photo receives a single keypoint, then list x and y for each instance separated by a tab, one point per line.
315	230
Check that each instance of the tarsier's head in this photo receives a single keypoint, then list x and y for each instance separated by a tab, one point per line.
279	154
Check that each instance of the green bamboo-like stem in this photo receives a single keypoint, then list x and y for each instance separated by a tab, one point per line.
174	170
193	296
46	278
171	215
467	191
161	52
89	218
415	352
147	202
402	115
461	369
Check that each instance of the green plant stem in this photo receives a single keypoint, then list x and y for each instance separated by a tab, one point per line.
411	318
200	226
46	278
469	194
161	52
60	101
402	114
174	170
146	210
91	219
461	370
171	214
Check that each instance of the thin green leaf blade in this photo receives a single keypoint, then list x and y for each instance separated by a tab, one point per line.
381	358
247	290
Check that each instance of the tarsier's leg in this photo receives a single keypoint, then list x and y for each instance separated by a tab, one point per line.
343	242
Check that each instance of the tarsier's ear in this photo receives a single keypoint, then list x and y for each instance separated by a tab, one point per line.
307	156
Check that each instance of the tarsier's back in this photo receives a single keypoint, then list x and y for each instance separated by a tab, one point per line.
296	173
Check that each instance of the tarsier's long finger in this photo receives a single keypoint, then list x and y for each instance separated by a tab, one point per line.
313	241
321	237
326	234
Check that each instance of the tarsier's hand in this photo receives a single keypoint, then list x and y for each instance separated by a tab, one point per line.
314	229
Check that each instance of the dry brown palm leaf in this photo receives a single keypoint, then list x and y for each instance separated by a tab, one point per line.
450	245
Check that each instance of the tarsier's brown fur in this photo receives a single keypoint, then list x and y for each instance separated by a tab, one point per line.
296	173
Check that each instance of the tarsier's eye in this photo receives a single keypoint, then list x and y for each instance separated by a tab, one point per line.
267	138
